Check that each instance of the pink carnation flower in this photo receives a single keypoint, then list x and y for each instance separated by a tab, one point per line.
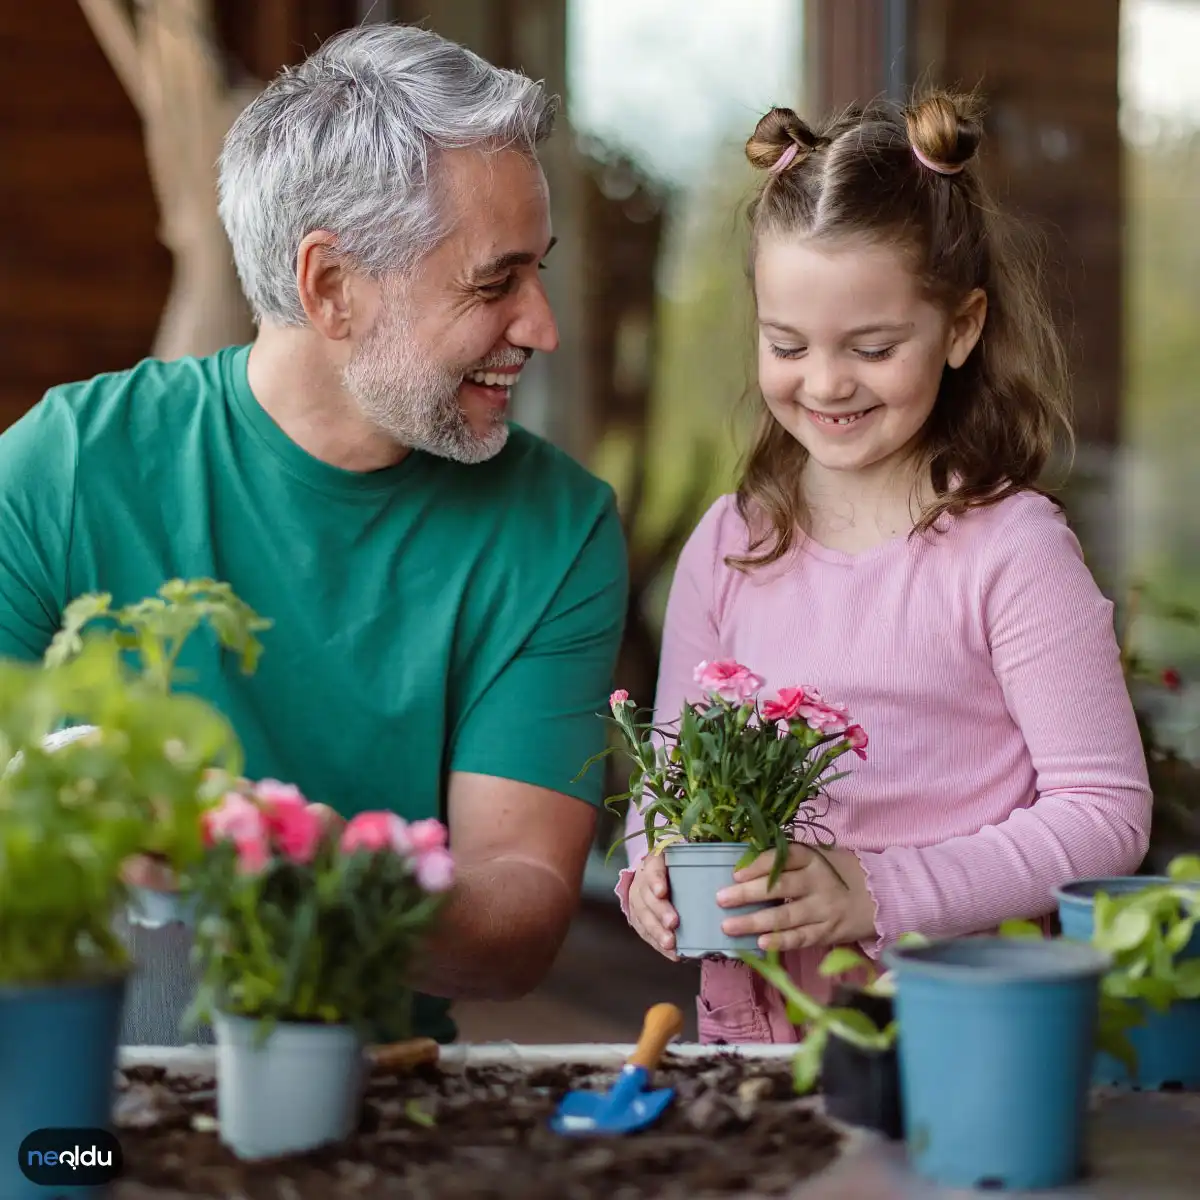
427	835
856	735
727	679
294	824
376	831
619	697
435	870
243	823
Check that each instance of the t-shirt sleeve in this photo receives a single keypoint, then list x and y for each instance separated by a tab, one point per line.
37	500
540	719
1055	654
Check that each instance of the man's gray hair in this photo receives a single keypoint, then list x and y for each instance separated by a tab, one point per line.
348	142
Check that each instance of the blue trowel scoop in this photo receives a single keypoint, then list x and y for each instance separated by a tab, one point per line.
627	1106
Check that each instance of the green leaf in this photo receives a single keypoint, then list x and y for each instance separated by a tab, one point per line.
806	1065
1185	868
1128	929
841	960
1187	979
1022	930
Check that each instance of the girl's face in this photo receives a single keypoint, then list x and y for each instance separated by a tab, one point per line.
850	353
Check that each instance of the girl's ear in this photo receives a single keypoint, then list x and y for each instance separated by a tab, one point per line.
966	327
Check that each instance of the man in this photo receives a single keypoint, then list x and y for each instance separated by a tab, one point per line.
447	590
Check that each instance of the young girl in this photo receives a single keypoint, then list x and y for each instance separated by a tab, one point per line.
888	545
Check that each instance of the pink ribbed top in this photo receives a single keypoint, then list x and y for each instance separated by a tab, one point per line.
1004	756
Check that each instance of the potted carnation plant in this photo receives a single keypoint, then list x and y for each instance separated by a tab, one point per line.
306	937
730	780
70	816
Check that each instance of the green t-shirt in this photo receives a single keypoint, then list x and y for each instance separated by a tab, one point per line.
429	617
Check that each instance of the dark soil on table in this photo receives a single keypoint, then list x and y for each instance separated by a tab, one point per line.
734	1127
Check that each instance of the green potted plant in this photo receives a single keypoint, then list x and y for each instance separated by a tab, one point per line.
849	1045
732	779
1149	927
71	815
306	938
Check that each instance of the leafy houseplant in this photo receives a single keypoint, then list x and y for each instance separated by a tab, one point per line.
306	939
732	779
1151	995
850	1045
70	817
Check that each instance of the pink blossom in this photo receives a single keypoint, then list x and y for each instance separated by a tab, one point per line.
276	795
727	679
376	831
435	870
253	853
427	835
822	715
243	823
856	735
785	706
233	819
618	698
294	824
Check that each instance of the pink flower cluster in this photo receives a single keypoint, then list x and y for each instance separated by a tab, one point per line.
275	818
738	684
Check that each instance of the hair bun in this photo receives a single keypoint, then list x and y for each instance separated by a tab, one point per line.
945	130
775	134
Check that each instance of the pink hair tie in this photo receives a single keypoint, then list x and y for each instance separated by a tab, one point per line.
786	159
937	168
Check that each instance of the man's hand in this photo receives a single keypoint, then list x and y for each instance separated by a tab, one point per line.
650	912
819	909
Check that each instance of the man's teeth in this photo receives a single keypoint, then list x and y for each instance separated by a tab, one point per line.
494	378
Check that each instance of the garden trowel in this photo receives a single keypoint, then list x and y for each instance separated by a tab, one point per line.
627	1106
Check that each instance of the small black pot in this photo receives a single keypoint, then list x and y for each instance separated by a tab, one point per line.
862	1087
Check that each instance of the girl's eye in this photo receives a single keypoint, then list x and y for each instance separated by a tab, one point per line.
786	351
876	355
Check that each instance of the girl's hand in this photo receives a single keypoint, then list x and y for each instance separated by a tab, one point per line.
818	910
650	912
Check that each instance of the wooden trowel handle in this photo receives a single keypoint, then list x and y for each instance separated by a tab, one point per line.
663	1022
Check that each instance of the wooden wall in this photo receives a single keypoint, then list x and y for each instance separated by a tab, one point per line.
1053	153
83	277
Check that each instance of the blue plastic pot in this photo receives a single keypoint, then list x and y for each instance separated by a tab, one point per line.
995	1047
1167	1044
58	1059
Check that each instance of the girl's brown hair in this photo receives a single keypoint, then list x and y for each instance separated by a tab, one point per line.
993	426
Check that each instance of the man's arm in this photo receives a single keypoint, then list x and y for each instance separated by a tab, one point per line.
37	501
520	853
521	822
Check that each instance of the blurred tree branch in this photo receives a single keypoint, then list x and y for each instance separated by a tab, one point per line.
167	57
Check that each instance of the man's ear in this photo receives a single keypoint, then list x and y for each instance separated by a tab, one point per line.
967	327
325	285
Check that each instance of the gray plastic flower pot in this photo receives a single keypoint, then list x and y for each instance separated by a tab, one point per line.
696	872
301	1089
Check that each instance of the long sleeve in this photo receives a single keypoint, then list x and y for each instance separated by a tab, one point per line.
1054	653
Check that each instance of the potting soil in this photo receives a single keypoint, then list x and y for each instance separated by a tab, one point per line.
735	1127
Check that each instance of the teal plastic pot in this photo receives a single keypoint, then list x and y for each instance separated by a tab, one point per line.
1167	1043
58	1060
996	1047
696	872
302	1088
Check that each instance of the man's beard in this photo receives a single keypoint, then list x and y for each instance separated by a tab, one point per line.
414	399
